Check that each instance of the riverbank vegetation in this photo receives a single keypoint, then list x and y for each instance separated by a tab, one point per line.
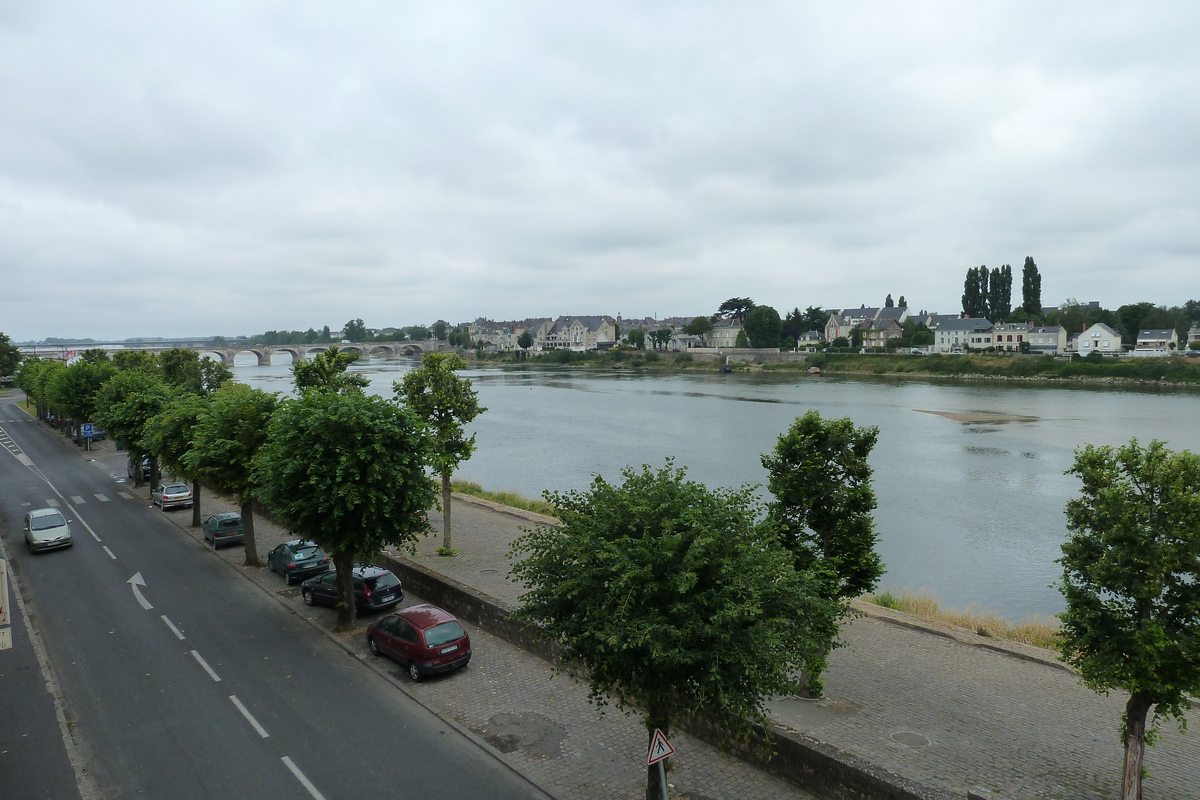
510	499
1039	631
1177	369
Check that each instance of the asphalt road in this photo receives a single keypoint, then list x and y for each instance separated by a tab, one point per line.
196	684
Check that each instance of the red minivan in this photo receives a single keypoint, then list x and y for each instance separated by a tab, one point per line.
425	639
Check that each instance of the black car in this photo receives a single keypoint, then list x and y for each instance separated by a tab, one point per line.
374	588
298	559
130	470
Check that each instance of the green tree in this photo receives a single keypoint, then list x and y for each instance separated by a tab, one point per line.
1131	579
32	377
887	303
446	403
124	404
999	295
742	340
1031	289
181	367
737	307
975	293
228	435
699	326
329	370
763	327
169	433
660	338
354	331
840	341
74	390
348	472
820	480
95	355
439	330
135	361
1132	318
670	599
636	338
525	341
10	356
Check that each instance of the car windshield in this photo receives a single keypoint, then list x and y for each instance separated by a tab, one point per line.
175	488
47	522
385	581
305	551
446	632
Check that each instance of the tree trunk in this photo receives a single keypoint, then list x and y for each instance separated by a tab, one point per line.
653	781
343	563
155	474
195	504
248	536
1135	745
446	511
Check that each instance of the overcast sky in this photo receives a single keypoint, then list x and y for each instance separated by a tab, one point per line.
229	167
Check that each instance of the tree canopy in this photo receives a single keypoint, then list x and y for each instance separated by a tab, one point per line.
10	355
671	599
354	331
636	338
169	434
228	435
763	327
1031	289
328	370
74	390
1131	581
125	403
737	307
346	470
699	326
446	403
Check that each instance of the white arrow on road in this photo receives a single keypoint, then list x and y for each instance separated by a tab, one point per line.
136	581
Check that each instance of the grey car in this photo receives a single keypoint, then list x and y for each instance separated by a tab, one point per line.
172	495
46	529
225	528
297	560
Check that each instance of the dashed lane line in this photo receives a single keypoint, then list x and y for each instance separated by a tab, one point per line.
110	552
211	673
171	625
249	717
77	500
304	781
103	498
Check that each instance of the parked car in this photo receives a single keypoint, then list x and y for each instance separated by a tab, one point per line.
46	529
171	495
425	639
298	559
98	435
130	469
374	588
224	528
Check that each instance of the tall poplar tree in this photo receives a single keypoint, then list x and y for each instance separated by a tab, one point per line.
1031	288
999	294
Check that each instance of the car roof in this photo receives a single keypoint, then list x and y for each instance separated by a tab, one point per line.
425	616
301	543
177	484
44	512
226	515
369	571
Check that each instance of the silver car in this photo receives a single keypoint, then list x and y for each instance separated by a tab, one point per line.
46	529
169	495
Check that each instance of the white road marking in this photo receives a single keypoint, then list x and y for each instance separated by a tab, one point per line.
93	533
52	502
249	717
125	495
77	500
110	552
171	625
207	668
305	782
101	497
136	581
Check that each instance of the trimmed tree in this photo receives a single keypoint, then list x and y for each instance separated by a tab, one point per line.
699	326
74	390
1131	579
328	370
348	472
446	403
169	434
525	341
124	405
672	600
228	435
10	355
821	482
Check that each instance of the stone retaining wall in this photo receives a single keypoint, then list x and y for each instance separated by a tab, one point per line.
812	765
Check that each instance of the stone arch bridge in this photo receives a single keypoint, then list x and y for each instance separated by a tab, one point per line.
303	352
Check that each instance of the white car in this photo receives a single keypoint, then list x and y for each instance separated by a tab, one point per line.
46	529
169	495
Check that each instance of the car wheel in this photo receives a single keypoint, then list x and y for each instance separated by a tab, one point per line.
308	597
414	673
374	647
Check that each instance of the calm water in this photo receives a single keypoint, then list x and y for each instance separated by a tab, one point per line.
970	513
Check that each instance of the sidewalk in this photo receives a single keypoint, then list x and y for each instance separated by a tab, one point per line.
940	706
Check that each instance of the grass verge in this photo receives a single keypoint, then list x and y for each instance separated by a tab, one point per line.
511	499
1039	631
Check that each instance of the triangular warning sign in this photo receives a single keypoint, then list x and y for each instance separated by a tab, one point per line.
660	748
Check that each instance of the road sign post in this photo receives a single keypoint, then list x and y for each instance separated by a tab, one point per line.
660	749
87	431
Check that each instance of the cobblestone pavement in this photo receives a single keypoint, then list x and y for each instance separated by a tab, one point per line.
538	722
940	706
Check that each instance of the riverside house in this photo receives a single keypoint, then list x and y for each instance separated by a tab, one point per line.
1156	343
961	335
1048	340
1099	338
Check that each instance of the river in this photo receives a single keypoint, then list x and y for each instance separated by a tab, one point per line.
969	513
